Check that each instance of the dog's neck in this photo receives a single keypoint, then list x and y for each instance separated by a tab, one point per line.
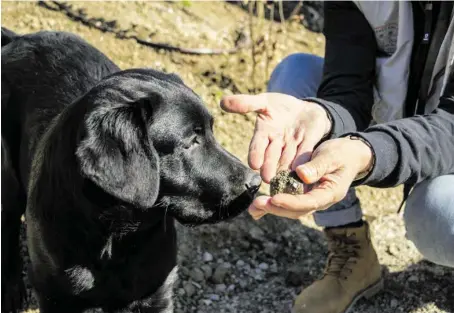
118	216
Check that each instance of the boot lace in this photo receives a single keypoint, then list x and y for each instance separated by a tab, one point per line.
343	252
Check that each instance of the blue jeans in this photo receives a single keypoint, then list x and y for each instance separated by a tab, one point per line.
429	211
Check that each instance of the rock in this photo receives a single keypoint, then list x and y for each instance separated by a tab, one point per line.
207	271
197	285
184	271
207	302
214	297
207	257
220	273
197	275
184	249
413	278
263	266
181	292
256	233
270	248
394	303
245	244
189	289
220	288
286	182
240	263
259	277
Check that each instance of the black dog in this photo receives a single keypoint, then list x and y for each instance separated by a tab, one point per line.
106	159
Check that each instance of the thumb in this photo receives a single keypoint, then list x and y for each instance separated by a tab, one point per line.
312	171
244	103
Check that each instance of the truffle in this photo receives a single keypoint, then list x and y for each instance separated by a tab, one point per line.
286	182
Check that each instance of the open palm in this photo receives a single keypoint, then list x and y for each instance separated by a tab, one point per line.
286	129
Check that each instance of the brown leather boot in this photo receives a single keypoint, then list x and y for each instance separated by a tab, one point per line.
352	272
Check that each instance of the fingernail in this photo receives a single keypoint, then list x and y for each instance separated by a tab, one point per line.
306	171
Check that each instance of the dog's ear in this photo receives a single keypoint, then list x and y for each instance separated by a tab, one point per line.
118	155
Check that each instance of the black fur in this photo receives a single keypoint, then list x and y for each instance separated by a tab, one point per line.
104	160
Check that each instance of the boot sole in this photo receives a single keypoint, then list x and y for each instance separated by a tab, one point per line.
367	293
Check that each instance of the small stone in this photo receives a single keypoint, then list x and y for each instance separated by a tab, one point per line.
394	303
245	244
413	278
197	285
220	273
286	182
263	266
220	288
181	292
197	274
258	277
273	268
184	249
270	248
207	257
231	288
207	271
207	302
240	263
189	289
214	297
256	233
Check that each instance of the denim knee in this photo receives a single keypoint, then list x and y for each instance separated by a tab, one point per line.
298	75
429	219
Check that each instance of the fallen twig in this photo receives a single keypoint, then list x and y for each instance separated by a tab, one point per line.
110	27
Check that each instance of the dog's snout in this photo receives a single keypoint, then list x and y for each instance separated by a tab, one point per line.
253	183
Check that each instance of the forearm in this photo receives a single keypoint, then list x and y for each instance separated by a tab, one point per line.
412	149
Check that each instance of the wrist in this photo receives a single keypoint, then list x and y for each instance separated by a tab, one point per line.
366	156
327	118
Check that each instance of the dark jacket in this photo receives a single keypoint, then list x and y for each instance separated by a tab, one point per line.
406	150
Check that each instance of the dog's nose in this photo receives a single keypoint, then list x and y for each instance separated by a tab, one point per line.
253	183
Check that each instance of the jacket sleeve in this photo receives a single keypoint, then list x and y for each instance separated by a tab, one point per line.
346	90
413	149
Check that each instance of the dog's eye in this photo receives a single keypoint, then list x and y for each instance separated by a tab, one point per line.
198	130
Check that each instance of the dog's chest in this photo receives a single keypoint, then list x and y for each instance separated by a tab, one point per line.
126	269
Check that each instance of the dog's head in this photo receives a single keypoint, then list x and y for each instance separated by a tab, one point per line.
148	140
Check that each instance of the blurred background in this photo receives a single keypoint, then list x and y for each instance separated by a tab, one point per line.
230	47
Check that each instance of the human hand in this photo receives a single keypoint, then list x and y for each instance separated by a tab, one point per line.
286	129
334	166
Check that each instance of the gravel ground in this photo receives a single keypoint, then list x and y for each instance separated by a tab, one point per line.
247	266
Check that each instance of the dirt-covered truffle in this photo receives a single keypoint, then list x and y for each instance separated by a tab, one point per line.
286	182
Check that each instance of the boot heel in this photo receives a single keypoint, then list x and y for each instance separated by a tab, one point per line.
374	289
